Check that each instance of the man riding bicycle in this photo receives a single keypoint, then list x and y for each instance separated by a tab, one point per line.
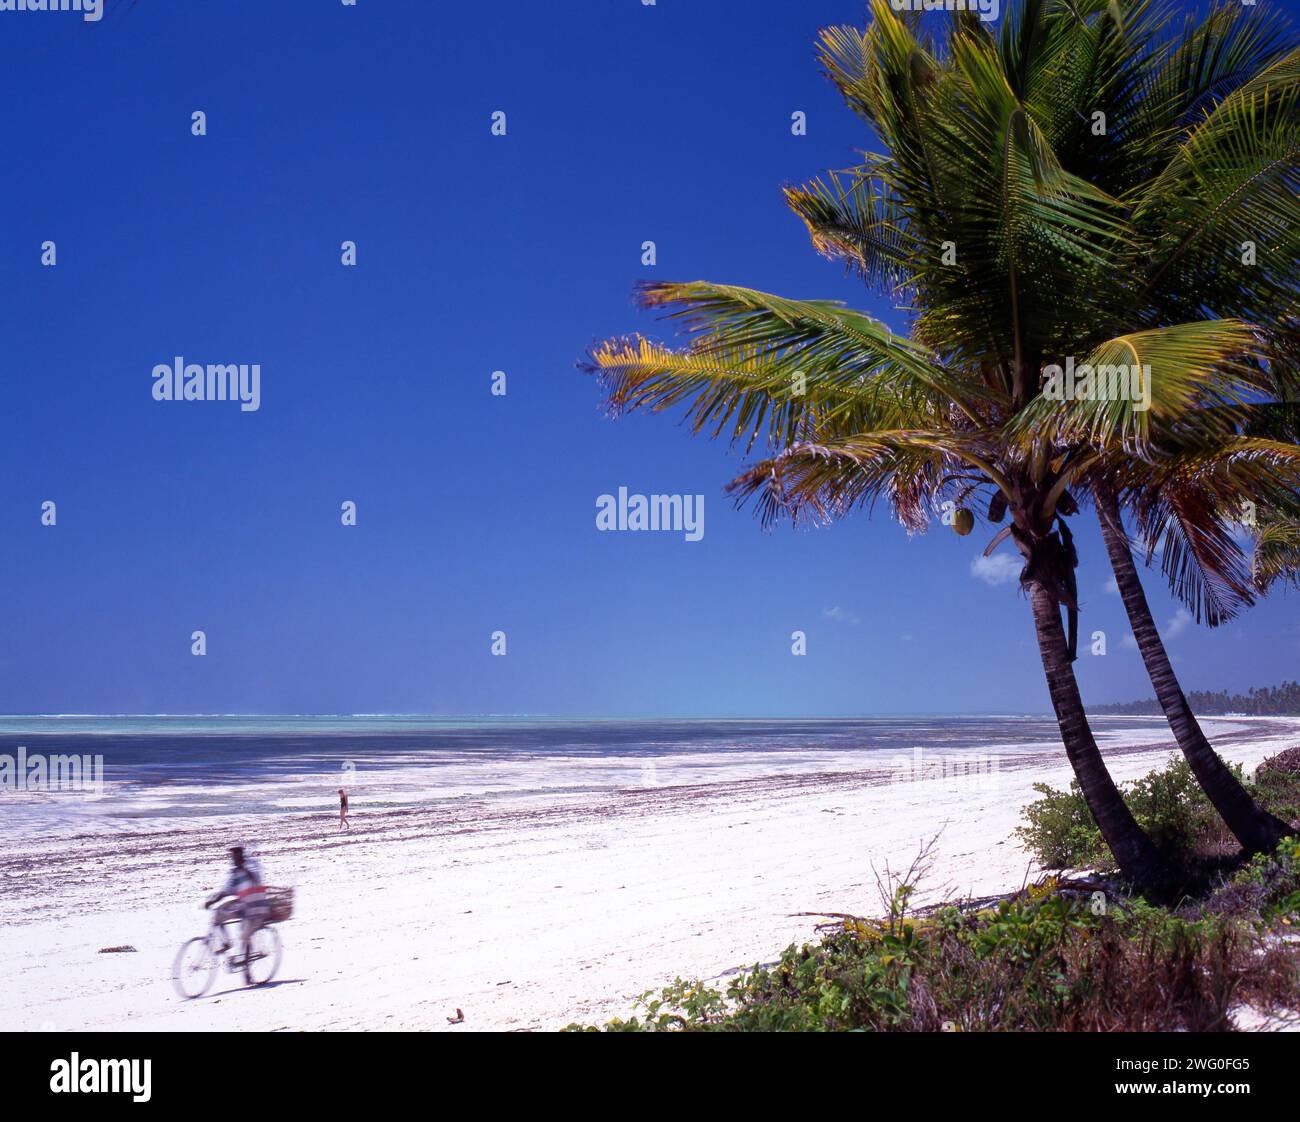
247	901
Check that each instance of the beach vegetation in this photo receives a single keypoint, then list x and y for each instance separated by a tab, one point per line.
1047	964
1169	805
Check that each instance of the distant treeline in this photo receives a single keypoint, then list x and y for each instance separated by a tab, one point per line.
1283	700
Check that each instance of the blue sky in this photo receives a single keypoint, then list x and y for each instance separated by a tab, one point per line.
475	253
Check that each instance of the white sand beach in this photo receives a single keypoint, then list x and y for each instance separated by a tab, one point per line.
525	913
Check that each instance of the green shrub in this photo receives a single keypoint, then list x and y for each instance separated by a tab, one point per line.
1168	804
1059	830
1278	791
1268	887
1173	809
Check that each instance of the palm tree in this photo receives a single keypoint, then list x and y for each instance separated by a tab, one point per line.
1231	173
1228	179
1254	827
1013	240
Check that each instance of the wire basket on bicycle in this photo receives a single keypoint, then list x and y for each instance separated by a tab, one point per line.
279	904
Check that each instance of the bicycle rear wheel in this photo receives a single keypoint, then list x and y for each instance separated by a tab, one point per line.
194	969
264	952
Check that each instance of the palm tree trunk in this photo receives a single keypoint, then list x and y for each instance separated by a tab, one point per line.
1256	829
1137	857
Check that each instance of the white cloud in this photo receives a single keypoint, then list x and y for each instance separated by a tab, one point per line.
840	615
1112	587
1128	642
1001	568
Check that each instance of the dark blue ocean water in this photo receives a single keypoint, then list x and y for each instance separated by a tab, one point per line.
158	768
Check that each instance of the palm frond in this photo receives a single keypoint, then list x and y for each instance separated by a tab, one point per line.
1276	556
1132	387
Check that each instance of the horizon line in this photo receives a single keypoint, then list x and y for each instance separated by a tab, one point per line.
578	716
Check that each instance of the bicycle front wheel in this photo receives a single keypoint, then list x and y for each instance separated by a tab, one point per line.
195	968
263	956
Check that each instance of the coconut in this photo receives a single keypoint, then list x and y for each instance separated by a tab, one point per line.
963	521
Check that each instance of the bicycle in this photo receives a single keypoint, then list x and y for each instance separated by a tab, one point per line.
199	959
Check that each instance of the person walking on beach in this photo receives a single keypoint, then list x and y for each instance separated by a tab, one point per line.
343	811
